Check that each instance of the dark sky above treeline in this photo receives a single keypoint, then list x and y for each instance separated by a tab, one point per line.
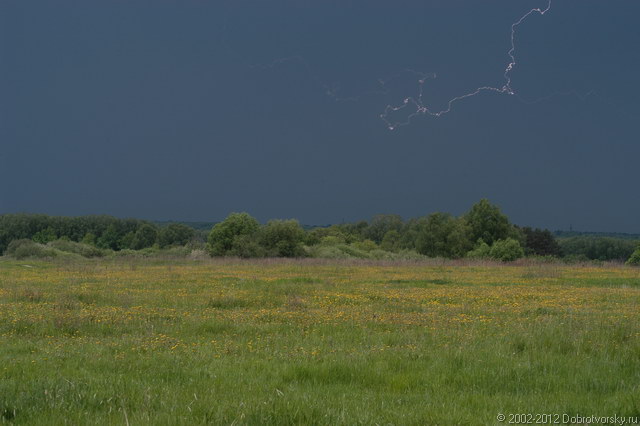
189	110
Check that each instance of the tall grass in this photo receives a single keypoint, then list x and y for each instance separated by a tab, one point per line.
143	341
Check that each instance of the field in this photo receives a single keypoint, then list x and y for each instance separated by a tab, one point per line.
314	342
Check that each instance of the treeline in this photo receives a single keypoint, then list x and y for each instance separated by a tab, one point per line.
597	248
105	232
482	232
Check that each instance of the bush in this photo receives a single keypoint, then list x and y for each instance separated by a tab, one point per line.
481	251
401	255
89	239
127	253
366	246
575	258
327	252
336	251
223	234
506	250
84	250
634	259
332	240
351	251
22	249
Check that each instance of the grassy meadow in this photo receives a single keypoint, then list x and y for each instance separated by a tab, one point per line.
142	341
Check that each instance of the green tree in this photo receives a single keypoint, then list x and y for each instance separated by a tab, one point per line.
144	237
246	246
442	235
283	238
222	235
45	236
488	223
127	241
351	232
110	238
381	224
391	241
597	248
175	234
540	242
318	235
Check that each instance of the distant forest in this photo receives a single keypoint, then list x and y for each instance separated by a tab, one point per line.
482	232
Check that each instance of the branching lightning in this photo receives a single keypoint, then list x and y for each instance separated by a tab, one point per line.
417	103
415	106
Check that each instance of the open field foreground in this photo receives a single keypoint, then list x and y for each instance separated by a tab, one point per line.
314	342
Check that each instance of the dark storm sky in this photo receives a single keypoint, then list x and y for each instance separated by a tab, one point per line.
189	110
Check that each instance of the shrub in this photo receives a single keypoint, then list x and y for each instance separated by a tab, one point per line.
353	251
89	239
327	252
480	251
21	249
634	259
332	240
506	250
336	251
84	250
127	253
575	258
366	245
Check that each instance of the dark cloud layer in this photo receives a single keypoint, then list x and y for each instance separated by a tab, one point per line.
192	109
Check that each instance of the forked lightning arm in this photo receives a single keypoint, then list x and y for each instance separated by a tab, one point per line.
421	109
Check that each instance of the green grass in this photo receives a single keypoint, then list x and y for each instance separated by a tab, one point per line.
308	342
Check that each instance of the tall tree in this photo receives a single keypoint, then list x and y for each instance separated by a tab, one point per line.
381	224
540	242
442	235
488	223
283	238
222	235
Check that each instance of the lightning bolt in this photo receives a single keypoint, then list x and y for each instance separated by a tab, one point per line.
417	105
